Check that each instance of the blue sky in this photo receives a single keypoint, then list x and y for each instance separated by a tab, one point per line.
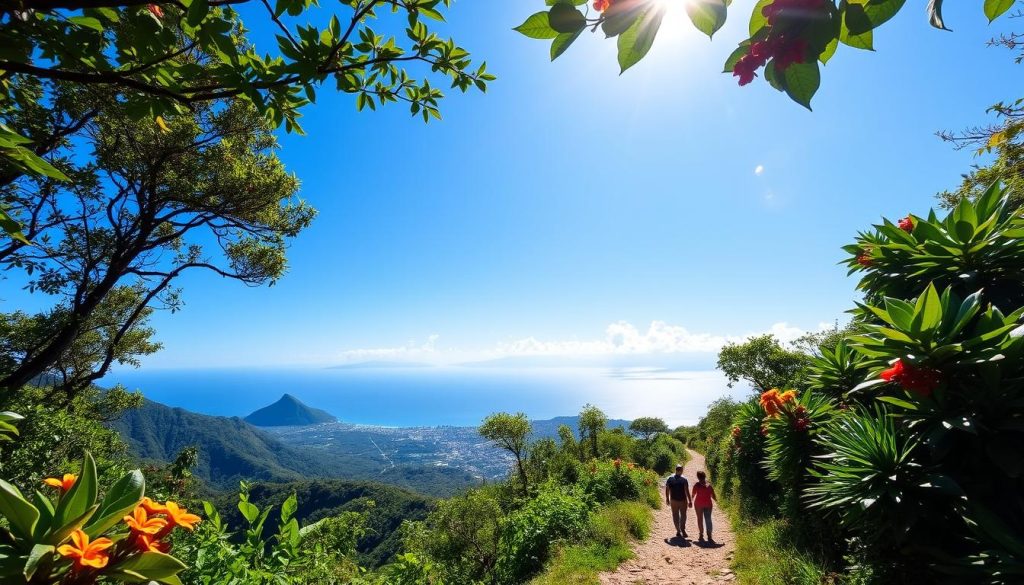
569	199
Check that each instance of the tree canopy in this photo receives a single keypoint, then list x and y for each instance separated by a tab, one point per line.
761	361
648	426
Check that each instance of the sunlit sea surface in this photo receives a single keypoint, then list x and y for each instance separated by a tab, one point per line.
436	396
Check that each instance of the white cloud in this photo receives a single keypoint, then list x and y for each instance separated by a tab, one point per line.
409	352
759	170
623	337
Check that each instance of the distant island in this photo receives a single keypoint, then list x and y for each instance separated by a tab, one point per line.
381	364
289	411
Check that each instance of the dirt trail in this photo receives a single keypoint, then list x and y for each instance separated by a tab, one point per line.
664	559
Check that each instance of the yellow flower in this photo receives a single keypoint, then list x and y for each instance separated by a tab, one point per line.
162	124
153	507
64	483
85	553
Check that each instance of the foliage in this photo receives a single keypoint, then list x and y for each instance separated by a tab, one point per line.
788	38
591	422
646	427
166	58
78	536
511	433
149	205
976	246
529	534
715	425
607	481
52	439
837	370
462	536
765	555
606	545
8	428
762	362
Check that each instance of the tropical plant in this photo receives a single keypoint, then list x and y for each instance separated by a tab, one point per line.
7	428
836	370
80	538
787	38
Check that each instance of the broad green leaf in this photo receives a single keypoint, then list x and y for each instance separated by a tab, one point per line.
897	402
537	26
621	16
81	496
757	17
927	312
707	15
565	18
562	42
39	554
152	565
87	22
802	81
995	8
20	514
636	42
197	11
120	500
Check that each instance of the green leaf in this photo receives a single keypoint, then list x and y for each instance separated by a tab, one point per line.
152	565
897	402
621	16
120	500
802	81
38	554
565	18
12	227
81	496
87	22
197	11
20	514
636	42
927	312
995	8
562	42
537	26
707	15
757	17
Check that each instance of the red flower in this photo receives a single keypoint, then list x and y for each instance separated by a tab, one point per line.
922	381
800	411
746	69
617	463
736	432
865	259
155	10
907	224
602	5
789	53
801	424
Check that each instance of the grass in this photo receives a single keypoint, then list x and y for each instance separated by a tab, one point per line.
765	557
612	529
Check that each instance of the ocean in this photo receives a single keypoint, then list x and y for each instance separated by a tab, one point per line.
437	396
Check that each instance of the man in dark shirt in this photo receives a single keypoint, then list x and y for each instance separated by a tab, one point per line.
677	497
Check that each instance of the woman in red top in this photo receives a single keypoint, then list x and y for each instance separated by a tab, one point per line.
703	494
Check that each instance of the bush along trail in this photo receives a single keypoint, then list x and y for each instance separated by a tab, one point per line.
664	558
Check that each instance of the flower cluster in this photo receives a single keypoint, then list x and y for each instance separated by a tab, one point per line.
149	524
922	381
865	259
736	432
783	48
773	401
800	419
906	224
602	5
785	51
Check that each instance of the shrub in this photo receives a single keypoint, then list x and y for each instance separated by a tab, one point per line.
529	534
604	482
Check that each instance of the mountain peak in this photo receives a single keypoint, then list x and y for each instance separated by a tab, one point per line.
288	411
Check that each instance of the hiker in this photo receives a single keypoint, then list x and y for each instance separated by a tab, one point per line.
703	494
677	497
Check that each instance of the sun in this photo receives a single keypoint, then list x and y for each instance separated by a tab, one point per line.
676	27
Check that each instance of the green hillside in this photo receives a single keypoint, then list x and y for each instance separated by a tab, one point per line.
320	499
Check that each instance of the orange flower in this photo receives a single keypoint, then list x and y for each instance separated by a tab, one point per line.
602	5
787	396
152	507
180	517
770	402
63	484
155	10
141	523
147	543
85	553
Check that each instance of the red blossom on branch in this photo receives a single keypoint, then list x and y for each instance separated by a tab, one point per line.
922	381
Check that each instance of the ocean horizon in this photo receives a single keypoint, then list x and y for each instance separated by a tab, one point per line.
437	396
